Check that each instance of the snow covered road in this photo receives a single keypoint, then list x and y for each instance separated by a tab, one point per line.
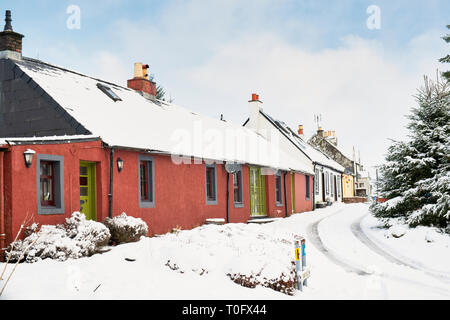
350	257
388	276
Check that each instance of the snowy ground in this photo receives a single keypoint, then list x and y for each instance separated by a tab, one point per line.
349	255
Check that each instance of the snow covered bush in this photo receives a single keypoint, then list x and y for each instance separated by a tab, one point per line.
77	238
284	283
247	254
126	229
416	175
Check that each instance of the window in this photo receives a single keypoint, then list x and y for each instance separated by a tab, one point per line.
361	184
146	182
108	91
47	184
307	187
211	184
339	186
237	189
327	178
332	184
317	181
50	184
278	190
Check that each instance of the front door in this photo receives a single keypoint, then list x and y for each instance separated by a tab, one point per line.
257	193
88	204
323	187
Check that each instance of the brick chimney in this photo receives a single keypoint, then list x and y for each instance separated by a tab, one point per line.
10	41
141	82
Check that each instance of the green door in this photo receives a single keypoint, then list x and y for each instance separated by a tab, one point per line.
293	191
88	204
257	193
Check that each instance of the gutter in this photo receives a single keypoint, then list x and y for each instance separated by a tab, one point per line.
2	207
111	174
285	197
228	197
314	188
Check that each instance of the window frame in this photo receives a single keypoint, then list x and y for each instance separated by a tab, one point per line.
238	204
332	185
150	170
307	187
56	207
109	92
213	184
279	203
316	184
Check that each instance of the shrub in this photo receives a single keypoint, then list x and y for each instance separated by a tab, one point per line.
125	229
77	238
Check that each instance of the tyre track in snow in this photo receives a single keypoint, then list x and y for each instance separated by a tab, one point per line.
364	238
314	237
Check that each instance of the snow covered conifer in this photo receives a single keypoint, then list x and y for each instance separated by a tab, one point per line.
416	176
446	59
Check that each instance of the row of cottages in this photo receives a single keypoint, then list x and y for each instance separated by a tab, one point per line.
328	174
356	181
70	142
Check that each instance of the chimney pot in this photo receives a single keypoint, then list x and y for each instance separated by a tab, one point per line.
8	20
300	130
255	97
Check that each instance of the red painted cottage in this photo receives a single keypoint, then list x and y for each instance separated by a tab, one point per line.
70	142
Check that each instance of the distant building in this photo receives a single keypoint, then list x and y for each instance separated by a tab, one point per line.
327	142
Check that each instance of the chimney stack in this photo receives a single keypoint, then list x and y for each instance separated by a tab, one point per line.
10	41
320	132
141	82
255	106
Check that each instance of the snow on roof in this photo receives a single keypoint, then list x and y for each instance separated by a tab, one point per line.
314	154
20	140
136	122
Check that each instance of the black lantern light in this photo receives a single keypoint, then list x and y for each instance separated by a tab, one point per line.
119	165
28	155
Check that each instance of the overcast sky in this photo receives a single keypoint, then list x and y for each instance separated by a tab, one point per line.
302	57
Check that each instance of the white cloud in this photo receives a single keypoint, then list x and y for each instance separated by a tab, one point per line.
362	88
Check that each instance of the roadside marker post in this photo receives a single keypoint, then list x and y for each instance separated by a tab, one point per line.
300	264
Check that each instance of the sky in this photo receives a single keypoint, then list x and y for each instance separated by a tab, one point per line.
358	68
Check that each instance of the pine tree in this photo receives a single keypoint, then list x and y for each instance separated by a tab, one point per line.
446	59
416	175
160	93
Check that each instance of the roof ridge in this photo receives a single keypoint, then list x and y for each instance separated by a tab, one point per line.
72	71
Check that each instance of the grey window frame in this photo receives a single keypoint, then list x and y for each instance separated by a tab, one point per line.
278	203
58	171
241	190
211	202
147	204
